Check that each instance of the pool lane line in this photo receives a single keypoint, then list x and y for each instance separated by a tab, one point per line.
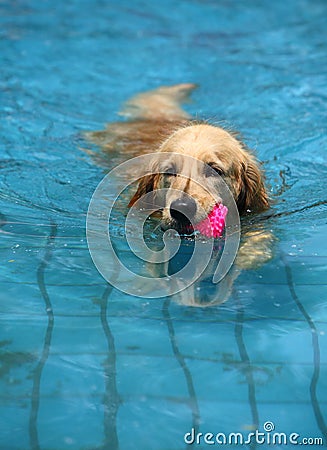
193	402
316	351
112	399
246	363
35	398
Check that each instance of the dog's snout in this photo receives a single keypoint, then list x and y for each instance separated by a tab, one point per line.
183	209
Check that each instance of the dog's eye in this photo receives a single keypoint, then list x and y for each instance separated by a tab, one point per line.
170	171
212	169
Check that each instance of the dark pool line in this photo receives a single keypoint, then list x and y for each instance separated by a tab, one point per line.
159	319
316	352
112	399
246	366
3	220
193	402
35	396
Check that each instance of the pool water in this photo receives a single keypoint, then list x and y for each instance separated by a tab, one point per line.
84	366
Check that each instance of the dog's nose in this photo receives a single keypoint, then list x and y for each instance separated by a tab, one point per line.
183	209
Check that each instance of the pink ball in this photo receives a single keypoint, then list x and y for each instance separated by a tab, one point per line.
214	224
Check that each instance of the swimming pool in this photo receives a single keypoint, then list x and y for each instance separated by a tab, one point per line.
84	366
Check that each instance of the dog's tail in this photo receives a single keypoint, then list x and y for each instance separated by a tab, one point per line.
163	103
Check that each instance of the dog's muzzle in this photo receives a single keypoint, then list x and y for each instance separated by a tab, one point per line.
183	210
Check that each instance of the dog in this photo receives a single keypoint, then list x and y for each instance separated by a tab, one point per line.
217	149
156	122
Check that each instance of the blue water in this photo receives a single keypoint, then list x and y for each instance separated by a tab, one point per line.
87	367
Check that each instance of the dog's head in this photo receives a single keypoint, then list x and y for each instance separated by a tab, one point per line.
191	189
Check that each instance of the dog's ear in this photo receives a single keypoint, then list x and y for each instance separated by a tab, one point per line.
147	184
253	195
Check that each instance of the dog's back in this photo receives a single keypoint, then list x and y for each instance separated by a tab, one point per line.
151	117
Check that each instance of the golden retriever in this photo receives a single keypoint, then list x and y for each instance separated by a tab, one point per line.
221	151
156	122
